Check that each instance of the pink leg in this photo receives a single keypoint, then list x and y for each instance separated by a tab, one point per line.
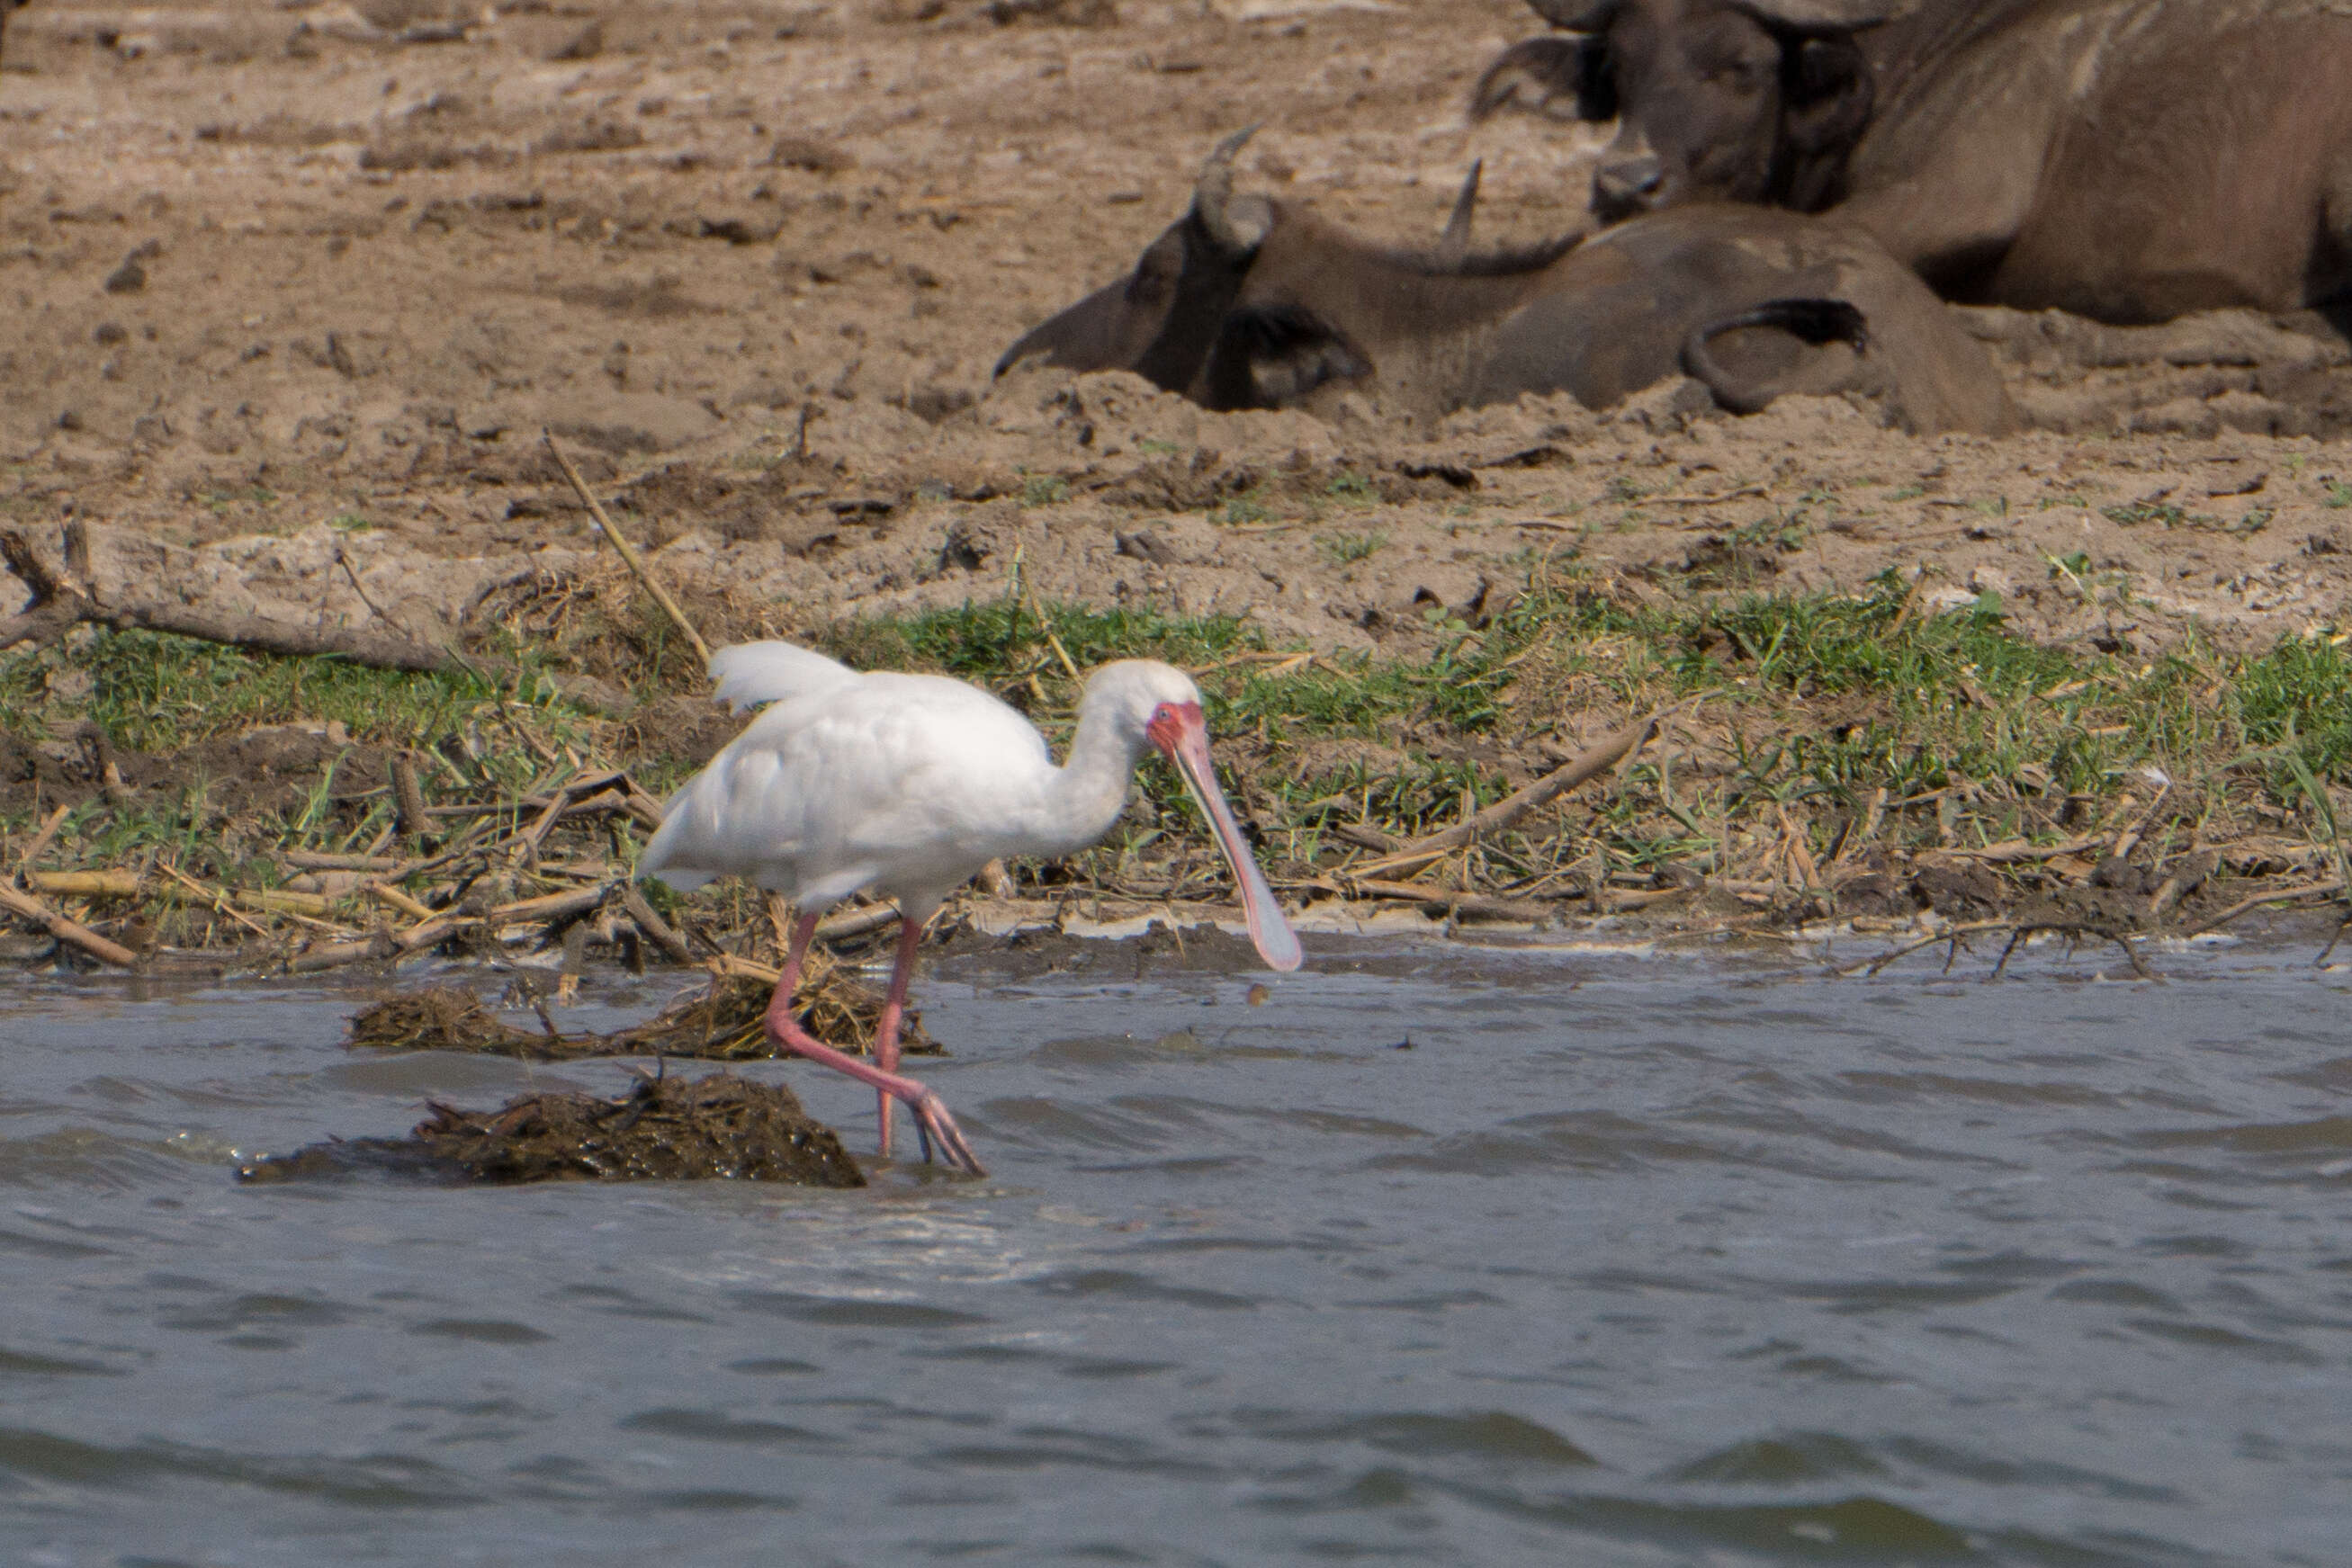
893	1008
803	933
931	1118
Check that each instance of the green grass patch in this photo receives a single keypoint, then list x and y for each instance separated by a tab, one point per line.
1820	700
1044	490
1249	507
1793	710
1346	548
154	692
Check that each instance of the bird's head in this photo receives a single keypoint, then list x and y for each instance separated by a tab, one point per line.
1145	700
1159	703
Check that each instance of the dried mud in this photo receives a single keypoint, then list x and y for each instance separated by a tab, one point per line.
301	287
718	1128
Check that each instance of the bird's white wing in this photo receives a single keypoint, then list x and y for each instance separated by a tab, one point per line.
749	673
900	781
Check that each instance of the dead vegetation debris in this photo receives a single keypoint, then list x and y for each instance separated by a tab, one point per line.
664	1129
720	1022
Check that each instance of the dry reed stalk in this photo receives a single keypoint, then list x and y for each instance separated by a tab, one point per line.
628	551
1800	856
314	860
2016	851
384	891
2128	840
408	792
278	901
86	883
213	898
43	839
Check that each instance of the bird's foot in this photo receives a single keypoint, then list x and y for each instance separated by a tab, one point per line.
932	1119
935	1125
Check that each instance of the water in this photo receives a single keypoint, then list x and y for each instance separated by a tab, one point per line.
1626	1261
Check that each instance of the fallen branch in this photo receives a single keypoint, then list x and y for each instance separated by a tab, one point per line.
2310	890
663	935
857	923
2012	850
1591	763
1952	933
2073	929
1474	906
65	930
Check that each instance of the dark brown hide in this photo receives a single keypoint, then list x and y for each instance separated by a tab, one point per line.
2126	158
1311	312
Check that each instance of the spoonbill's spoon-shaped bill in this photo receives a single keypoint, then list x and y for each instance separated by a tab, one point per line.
1181	734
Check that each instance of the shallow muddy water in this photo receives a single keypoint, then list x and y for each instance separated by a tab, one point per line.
1628	1259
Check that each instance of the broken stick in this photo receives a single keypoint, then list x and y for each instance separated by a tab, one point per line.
1591	762
628	551
65	930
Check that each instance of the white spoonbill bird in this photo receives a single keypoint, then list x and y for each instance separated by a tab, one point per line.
909	785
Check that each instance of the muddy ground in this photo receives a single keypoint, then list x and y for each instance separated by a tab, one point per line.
288	292
312	278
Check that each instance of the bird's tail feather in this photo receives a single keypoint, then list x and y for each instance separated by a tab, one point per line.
749	673
668	841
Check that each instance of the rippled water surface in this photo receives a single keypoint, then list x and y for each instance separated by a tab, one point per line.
1626	1261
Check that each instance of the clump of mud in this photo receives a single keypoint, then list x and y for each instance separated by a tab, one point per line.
717	1128
1029	951
719	1023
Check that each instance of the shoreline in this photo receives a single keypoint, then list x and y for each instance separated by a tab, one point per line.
1724	763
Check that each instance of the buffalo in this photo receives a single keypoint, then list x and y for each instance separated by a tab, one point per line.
1250	302
2130	159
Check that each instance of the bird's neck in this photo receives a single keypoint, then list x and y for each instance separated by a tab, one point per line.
1089	790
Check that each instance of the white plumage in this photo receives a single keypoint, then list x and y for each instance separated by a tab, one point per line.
907	785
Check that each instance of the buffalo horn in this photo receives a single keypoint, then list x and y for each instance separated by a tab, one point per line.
1214	192
1821	15
1454	243
1578	16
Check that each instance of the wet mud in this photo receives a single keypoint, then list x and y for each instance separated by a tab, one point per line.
720	1128
721	1022
1043	947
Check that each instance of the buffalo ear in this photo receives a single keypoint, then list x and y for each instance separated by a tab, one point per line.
1271	357
1829	93
1564	77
